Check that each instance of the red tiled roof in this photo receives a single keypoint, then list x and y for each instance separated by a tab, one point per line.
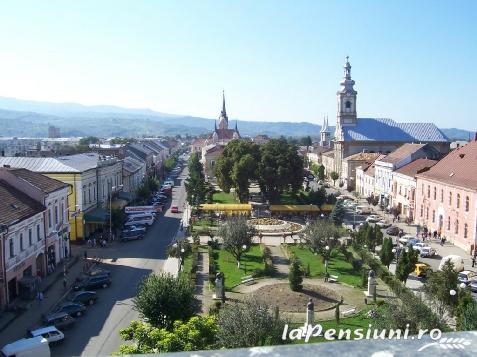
15	205
224	134
42	182
416	167
363	156
458	168
402	152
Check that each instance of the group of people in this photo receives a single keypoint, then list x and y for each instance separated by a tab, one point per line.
92	243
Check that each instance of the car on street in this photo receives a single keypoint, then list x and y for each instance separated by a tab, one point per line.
73	309
424	249
61	320
412	242
422	270
466	276
174	209
456	260
383	223
126	237
134	229
50	333
362	210
93	282
393	230
373	218
473	285
405	238
83	297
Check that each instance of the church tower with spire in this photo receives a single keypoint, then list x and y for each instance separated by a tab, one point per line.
223	119
325	135
346	115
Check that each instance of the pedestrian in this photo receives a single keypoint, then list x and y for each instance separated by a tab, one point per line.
473	261
85	255
442	241
88	243
65	283
94	242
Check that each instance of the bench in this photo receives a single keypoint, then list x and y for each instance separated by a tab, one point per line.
333	279
247	280
349	312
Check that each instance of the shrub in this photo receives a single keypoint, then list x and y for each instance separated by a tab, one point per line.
357	264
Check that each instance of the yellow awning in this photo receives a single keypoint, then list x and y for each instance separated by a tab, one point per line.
224	207
294	208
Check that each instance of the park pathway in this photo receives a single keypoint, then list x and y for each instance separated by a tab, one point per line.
280	262
202	282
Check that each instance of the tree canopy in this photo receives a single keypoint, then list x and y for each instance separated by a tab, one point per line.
320	234
197	189
236	233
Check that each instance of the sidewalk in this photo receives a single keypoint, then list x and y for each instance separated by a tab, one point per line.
13	325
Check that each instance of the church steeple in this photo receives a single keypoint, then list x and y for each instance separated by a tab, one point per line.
346	99
325	134
223	120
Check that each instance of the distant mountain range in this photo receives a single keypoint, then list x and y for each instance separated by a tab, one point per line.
24	118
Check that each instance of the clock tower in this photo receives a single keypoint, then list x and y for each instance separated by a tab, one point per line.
346	99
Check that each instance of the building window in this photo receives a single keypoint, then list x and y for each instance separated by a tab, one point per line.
450	198
49	217
458	200
435	193
11	248
399	189
62	212
30	237
38	236
21	243
422	189
442	195
84	194
465	230
448	223
427	213
422	211
456	226
433	216
428	191
467	203
348	104
56	214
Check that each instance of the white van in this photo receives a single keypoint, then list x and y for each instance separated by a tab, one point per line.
51	333
27	347
146	219
457	260
363	210
142	214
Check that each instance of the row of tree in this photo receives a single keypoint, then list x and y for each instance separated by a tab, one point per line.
275	165
198	191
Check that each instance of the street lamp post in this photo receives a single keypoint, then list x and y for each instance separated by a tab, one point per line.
453	295
181	255
244	247
327	249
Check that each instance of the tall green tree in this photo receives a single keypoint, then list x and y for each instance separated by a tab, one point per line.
338	213
236	233
295	276
195	185
237	167
439	283
321	172
320	234
386	254
163	299
280	169
407	264
334	176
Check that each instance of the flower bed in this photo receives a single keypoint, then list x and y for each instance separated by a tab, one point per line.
265	221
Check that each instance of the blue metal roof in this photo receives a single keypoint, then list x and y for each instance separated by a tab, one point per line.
384	129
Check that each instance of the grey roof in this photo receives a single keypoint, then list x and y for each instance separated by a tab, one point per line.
81	162
37	164
131	164
383	129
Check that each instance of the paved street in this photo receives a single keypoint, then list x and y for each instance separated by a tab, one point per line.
97	332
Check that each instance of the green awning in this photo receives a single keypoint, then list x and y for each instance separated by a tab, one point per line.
128	196
97	215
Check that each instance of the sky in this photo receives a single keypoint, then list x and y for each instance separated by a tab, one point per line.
413	61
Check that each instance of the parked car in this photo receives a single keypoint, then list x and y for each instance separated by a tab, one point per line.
134	229
72	308
412	242
174	209
36	346
83	297
422	270
383	223
466	276
50	333
61	320
424	249
126	237
373	218
457	260
93	282
362	210
405	238
473	285
393	231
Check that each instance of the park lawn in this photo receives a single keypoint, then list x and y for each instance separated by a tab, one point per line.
351	323
336	266
187	263
222	197
250	261
287	199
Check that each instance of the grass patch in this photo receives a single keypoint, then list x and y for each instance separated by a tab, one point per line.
337	265
359	321
222	197
187	263
251	261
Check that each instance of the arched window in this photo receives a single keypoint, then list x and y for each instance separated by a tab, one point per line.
348	104
442	195
448	223
433	216
450	198
456	226
427	213
428	191
465	230
435	193
467	203
458	200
